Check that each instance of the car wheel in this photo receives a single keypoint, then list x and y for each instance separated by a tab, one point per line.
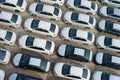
85	44
48	36
33	15
101	48
68	23
53	19
87	27
17	11
11	26
56	5
65	39
89	13
71	9
105	4
38	0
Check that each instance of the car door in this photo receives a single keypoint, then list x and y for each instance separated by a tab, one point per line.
77	39
38	49
115	3
41	31
45	14
81	23
83	9
8	6
4	22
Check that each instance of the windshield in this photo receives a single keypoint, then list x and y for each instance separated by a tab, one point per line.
39	7
29	41
34	24
72	32
56	11
20	3
8	35
105	76
52	28
108	25
2	1
48	45
87	54
89	36
85	73
93	6
66	69
91	20
2	54
74	16
77	2
110	10
108	41
106	58
14	18
69	50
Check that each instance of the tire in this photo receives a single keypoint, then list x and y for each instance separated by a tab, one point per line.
17	11
33	15
105	4
85	44
65	39
89	13
71	9
68	23
53	19
38	0
87	28
101	48
56	5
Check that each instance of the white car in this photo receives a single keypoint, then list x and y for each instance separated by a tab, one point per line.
69	71
2	74
16	5
41	27
45	11
4	56
109	43
31	62
7	37
115	3
109	26
79	19
110	12
82	6
10	19
100	75
78	35
36	44
53	2
75	53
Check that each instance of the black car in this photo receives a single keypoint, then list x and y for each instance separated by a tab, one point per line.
76	53
106	59
16	76
30	62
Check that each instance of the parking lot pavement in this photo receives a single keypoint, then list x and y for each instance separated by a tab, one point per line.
9	68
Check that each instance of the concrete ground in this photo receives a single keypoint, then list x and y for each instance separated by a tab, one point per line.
9	68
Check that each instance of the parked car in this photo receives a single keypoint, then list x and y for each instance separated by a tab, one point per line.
7	37
17	76
82	6
4	56
41	27
108	60
69	71
2	74
79	19
109	26
10	19
16	5
31	62
110	12
115	3
100	75
76	53
53	2
46	11
109	43
78	35
36	44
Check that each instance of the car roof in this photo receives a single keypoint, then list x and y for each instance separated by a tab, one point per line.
82	34
86	3
115	42
5	15
114	77
116	27
115	59
79	51
12	1
116	11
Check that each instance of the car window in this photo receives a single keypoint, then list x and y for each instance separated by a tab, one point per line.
115	16
45	13
14	18
77	2
110	10
8	4
29	41
38	48
76	77
48	45
20	3
5	21
91	20
83	7
8	35
53	27
34	24
81	22
74	16
93	6
72	32
105	76
2	54
108	25
41	30
56	11
108	41
80	39
89	36
85	73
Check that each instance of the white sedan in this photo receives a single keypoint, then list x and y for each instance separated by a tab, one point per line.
69	71
10	19
7	37
79	19
82	6
2	74
109	43
45	11
115	3
41	27
16	5
4	56
53	2
36	44
77	35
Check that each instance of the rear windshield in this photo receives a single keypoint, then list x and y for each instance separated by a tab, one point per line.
8	35
48	45
29	41
52	28
56	11
108	41
2	1
91	20
66	69
89	36
2	54
20	3
93	6
14	18
35	23
77	2
85	73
